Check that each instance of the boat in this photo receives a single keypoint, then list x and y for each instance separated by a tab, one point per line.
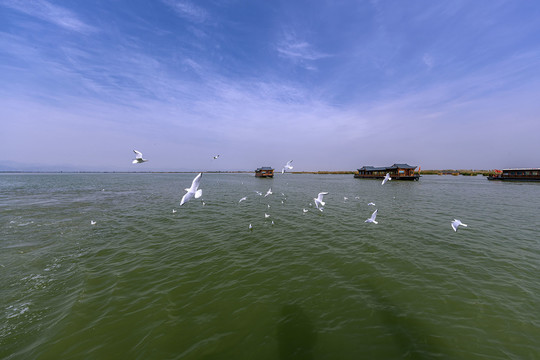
396	171
516	174
264	172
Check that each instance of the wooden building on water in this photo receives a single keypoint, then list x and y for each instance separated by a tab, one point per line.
396	171
264	172
517	174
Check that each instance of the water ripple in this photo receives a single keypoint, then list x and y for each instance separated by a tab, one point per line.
145	282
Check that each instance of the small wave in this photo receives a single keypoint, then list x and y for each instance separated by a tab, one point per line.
14	311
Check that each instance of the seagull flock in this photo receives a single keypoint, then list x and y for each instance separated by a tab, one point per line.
195	192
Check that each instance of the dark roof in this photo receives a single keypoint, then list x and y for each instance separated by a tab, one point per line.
373	168
264	168
402	166
386	168
522	169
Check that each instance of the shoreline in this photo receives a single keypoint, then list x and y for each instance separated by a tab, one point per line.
454	172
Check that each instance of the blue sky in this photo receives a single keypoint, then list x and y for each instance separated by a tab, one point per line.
333	85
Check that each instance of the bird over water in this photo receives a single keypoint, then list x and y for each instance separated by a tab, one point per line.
138	157
193	191
457	223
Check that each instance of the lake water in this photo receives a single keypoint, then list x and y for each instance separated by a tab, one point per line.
147	283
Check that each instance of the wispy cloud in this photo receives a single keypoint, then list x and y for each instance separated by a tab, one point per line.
428	61
173	93
299	51
51	13
187	10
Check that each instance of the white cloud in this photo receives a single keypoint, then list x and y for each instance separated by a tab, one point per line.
428	60
299	51
187	10
51	13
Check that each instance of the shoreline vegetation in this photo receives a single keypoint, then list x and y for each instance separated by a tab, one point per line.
454	172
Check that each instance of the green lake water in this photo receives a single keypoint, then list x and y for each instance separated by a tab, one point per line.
147	283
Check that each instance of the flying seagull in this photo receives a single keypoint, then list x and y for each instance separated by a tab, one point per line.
269	192
242	199
456	223
193	190
386	178
258	193
371	203
372	218
138	157
305	210
266	215
319	201
215	157
287	166
92	222
173	211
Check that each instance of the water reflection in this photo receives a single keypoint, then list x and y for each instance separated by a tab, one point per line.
296	334
412	339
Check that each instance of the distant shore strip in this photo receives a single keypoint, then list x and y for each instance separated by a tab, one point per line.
321	172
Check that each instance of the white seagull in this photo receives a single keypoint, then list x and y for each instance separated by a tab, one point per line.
173	211
138	157
371	203
456	223
287	166
319	201
269	192
386	178
92	222
215	157
305	210
372	218
258	193
250	227
193	190
242	199
266	215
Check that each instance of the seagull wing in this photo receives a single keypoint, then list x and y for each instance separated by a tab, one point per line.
320	196
195	183
374	215
138	154
187	196
455	224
